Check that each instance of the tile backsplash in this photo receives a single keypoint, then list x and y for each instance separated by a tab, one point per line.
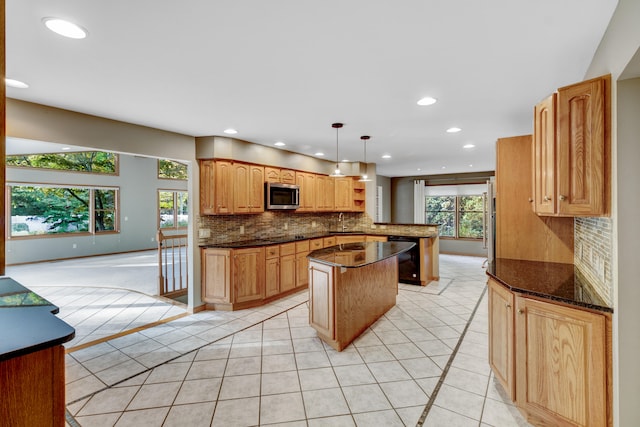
229	228
593	248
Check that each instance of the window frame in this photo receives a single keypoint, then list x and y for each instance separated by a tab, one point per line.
186	165
457	212
175	225
91	210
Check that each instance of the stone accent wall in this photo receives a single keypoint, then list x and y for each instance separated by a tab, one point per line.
270	224
593	247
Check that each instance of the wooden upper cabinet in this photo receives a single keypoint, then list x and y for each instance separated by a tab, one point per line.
358	201
224	187
583	164
344	194
572	171
287	176
271	174
544	156
207	187
248	183
325	193
306	182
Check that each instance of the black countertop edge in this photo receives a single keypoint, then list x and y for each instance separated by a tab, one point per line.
583	294
268	241
28	322
366	253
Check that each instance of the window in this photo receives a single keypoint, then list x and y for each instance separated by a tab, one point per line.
39	210
168	169
459	213
83	161
173	209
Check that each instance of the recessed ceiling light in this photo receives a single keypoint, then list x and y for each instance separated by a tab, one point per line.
468	146
386	156
319	154
418	169
65	28
443	167
453	130
230	131
470	166
16	83
279	144
427	100
66	148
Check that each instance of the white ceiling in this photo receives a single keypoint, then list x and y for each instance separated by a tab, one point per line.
286	69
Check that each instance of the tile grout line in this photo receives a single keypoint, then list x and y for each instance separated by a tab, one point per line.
445	371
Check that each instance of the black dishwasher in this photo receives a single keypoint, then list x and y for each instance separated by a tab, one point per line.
409	261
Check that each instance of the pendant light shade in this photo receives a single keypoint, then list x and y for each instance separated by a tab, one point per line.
365	177
337	173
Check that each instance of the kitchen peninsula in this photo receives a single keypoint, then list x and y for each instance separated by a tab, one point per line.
350	287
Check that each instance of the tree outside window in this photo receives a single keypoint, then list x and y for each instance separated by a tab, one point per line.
169	169
458	216
43	210
82	161
173	209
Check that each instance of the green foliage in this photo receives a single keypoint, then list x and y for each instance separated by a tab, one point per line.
82	161
173	206
169	169
105	210
442	210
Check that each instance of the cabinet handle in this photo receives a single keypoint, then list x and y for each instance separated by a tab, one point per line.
562	197
530	200
508	305
521	311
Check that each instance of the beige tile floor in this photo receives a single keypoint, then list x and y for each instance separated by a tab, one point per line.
266	366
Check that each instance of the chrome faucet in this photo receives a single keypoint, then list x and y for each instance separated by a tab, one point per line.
341	219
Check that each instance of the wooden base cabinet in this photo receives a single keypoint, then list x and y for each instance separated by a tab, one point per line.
556	358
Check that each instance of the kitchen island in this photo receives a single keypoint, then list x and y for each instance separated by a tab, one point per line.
32	391
350	287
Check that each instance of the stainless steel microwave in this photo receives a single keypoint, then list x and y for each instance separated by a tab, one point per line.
281	196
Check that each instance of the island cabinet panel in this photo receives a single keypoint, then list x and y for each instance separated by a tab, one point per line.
248	274
216	275
501	335
32	391
561	364
321	299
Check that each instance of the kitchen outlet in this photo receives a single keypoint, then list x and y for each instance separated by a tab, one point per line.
242	229
286	225
204	233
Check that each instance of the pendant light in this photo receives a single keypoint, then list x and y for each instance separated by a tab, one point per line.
364	177
336	173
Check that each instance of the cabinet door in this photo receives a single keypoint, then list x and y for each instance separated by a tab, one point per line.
306	182
544	156
256	189
224	187
501	350
241	180
302	269
207	187
287	272
271	174
216	275
343	194
325	193
272	277
583	149
248	274
321	299
561	364
287	176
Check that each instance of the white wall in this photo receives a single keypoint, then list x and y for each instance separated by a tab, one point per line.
138	185
617	48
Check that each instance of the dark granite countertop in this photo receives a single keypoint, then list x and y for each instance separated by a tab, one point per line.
354	255
28	321
267	241
554	281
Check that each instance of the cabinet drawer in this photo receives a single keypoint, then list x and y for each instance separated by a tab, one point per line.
302	246
272	252
315	244
287	249
329	241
